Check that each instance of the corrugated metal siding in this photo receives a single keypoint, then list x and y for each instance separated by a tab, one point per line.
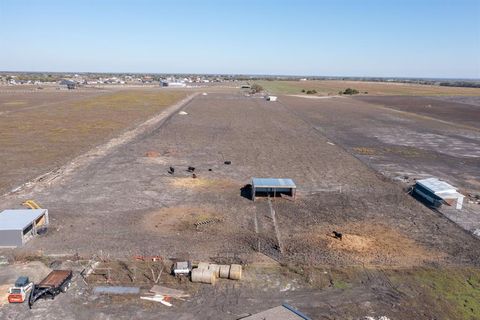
273	183
18	219
10	238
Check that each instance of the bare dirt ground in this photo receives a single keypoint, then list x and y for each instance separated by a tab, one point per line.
126	203
406	138
460	113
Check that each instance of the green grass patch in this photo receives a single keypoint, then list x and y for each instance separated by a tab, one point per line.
460	289
454	291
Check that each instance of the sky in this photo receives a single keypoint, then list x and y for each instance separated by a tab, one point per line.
384	38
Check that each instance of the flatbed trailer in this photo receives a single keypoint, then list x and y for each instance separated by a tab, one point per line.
56	282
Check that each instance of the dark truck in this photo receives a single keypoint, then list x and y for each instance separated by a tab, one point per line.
57	281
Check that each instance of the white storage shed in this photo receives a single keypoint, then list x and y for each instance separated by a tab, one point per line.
20	225
437	192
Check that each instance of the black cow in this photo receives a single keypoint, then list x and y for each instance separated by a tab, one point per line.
172	170
191	169
337	235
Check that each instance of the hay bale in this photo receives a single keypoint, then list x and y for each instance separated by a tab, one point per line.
203	265
224	271
235	272
215	268
203	276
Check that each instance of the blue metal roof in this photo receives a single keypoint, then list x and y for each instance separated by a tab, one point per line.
18	219
273	183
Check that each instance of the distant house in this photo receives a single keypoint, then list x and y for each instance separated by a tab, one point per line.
173	84
69	84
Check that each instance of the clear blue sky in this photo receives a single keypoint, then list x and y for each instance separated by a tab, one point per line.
412	38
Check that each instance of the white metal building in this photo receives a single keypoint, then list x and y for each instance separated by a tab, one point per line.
271	98
173	84
20	225
273	187
437	192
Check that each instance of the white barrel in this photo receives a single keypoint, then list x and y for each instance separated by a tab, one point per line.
235	272
203	276
224	271
215	268
203	265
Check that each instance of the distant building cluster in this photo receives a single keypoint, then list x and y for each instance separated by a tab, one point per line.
73	81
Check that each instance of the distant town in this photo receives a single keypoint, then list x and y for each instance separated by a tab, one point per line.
77	80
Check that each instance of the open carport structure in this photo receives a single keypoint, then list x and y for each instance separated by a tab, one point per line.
20	225
273	187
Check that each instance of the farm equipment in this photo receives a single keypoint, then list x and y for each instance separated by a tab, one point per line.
31	204
18	293
182	268
56	282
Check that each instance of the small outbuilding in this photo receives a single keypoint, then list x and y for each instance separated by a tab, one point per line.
273	187
283	312
437	192
271	98
69	84
20	225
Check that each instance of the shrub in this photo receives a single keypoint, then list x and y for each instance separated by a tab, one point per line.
350	91
256	88
311	91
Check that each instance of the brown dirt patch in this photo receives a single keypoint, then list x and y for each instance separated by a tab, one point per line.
152	154
176	219
201	183
374	244
4	294
365	150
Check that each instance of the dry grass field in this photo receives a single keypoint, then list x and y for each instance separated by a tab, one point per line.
332	87
42	130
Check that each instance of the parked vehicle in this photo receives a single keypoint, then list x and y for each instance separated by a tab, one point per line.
56	282
19	292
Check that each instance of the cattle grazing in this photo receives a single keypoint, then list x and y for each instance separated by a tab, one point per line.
171	170
337	235
191	169
228	162
194	176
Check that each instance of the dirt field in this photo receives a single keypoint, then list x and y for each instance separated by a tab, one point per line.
460	113
126	203
332	87
41	130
